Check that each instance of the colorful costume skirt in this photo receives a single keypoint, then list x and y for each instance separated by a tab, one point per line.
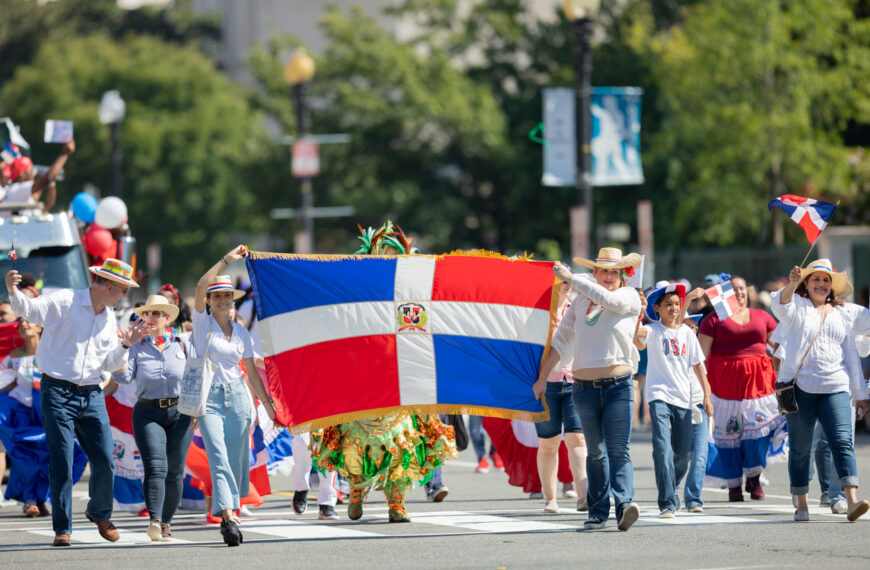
746	435
397	448
23	435
517	444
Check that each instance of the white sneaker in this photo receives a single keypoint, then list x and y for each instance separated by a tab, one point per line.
154	531
568	491
801	516
7	502
696	509
582	505
244	512
839	507
666	514
551	507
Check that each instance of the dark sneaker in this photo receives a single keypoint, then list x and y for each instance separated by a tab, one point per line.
230	531
327	512
106	528
594	523
300	501
438	495
629	516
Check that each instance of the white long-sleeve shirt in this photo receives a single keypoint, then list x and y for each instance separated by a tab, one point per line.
832	364
605	340
76	345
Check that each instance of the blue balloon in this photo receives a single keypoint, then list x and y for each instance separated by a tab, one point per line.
84	206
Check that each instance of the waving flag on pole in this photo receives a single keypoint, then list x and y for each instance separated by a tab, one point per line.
348	337
723	299
812	215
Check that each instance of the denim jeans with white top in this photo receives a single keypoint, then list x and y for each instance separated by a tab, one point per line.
225	429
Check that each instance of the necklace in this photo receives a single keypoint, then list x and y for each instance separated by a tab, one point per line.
592	313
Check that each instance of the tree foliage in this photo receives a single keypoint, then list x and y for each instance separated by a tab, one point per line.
192	144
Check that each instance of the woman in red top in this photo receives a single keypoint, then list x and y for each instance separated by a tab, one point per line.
747	426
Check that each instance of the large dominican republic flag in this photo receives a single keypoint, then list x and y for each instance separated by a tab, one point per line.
348	337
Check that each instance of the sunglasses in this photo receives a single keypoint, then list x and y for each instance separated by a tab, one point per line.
155	314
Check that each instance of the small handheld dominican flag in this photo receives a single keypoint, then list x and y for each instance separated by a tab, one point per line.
723	299
812	215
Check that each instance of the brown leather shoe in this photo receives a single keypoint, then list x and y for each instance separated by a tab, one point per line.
62	540
164	530
106	528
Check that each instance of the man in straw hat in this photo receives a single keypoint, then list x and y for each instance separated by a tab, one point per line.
819	356
80	341
598	331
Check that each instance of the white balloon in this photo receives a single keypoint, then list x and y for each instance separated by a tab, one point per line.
111	212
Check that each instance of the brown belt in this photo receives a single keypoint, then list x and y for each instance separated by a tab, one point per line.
160	402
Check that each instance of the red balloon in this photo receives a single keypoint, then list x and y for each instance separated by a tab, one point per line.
100	244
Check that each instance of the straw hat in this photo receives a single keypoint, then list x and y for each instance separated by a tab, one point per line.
224	283
158	303
656	293
117	271
840	286
610	258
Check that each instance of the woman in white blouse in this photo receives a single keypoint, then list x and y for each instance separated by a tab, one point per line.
818	351
598	332
225	425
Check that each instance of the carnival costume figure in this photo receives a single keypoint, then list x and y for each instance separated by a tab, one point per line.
389	452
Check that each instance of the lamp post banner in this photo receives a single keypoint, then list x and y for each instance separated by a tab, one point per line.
616	158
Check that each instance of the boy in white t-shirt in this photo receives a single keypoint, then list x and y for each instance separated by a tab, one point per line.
675	367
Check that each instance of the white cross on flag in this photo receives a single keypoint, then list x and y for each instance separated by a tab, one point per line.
723	299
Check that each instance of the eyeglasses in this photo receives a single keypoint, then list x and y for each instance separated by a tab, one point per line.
121	288
155	314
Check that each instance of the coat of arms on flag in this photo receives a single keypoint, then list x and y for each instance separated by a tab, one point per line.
811	215
723	299
350	337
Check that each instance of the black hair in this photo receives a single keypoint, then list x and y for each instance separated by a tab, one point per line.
665	295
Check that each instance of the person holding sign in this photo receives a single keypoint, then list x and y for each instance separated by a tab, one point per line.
819	354
598	331
27	187
747	424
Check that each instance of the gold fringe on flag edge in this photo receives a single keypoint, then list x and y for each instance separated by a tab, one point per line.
430	409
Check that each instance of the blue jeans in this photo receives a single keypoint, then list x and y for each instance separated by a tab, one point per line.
68	413
606	417
825	466
698	463
672	449
225	429
163	437
834	413
560	402
434	484
475	433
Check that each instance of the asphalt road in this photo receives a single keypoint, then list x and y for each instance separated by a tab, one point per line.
483	523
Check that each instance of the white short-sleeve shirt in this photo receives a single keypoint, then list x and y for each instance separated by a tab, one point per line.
223	354
671	355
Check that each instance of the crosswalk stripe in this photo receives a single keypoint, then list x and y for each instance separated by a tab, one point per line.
486	523
92	536
302	530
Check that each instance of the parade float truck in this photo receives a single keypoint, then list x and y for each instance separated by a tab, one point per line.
50	246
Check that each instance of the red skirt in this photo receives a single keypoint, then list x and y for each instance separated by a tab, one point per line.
741	377
521	461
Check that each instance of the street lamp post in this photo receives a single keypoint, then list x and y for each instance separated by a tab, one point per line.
581	12
112	110
298	72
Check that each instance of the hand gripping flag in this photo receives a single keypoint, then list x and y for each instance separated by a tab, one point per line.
811	215
723	299
349	337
